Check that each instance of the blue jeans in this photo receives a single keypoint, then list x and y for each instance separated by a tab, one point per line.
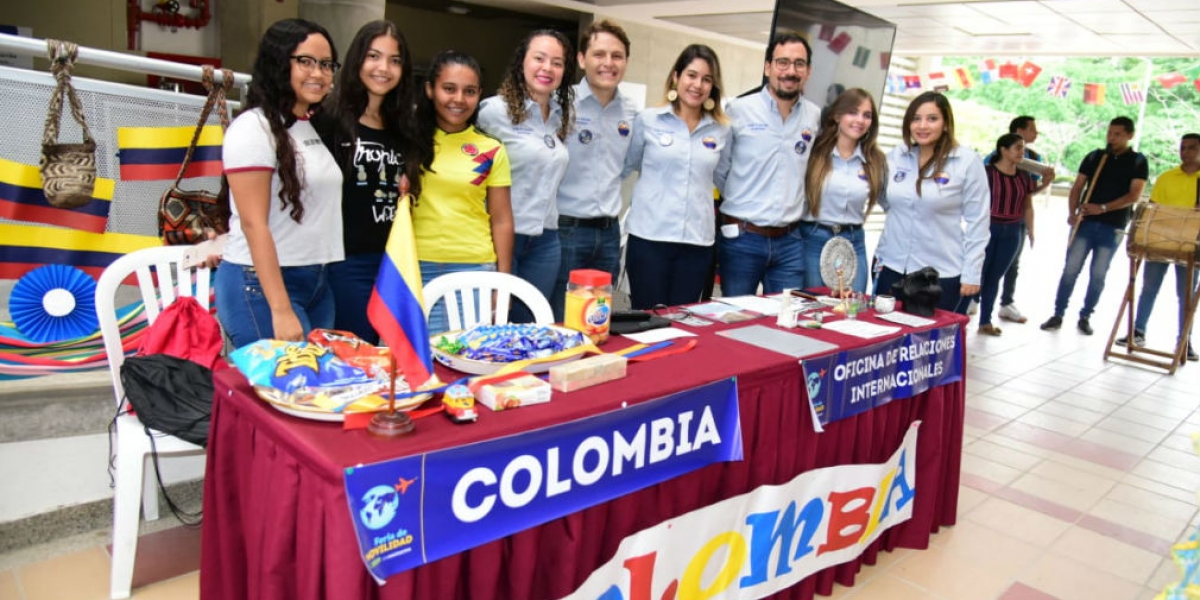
535	259
750	259
951	298
1002	249
1010	276
815	238
438	321
1100	240
243	310
585	248
665	272
352	281
1152	278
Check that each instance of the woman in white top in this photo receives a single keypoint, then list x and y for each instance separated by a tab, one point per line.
531	115
676	148
286	223
938	206
846	176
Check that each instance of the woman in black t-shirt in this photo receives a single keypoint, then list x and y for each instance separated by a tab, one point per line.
367	125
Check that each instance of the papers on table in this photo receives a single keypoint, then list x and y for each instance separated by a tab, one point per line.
768	306
777	340
654	336
862	329
905	319
720	311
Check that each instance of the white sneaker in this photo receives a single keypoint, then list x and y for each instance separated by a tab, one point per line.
973	308
1009	312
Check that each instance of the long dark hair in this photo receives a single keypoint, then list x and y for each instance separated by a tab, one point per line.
945	143
514	91
709	56
820	161
271	92
426	121
348	101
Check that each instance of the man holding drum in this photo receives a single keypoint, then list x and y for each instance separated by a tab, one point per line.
1113	178
1176	188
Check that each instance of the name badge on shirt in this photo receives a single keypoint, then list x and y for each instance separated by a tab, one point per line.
585	136
623	129
549	141
899	176
709	142
806	135
862	174
801	147
942	178
666	139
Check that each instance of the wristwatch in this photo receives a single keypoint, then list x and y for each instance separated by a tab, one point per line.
1103	208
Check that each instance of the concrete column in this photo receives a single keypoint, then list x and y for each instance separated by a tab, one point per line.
342	18
242	25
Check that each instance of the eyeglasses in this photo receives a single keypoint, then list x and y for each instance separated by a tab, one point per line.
674	314
309	63
782	64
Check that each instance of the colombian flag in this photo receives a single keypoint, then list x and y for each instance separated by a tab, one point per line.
22	199
152	153
396	308
24	248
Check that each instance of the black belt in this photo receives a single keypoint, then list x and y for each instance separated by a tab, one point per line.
594	222
836	228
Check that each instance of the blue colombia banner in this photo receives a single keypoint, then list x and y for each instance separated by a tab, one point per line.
853	381
417	509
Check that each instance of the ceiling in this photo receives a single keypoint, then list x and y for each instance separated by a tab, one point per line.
933	27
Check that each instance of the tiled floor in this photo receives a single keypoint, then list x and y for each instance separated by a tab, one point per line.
1078	476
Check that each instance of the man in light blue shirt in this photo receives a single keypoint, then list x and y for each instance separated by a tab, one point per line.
589	197
761	176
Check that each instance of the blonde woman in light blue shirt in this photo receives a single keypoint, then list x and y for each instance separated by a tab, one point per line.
676	149
938	206
531	115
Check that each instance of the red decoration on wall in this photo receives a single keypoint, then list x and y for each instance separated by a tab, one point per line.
134	16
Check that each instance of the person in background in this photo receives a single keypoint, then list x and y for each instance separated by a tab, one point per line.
589	197
1012	196
761	176
937	206
368	127
463	218
676	148
1026	127
531	115
1178	188
847	175
285	186
1117	175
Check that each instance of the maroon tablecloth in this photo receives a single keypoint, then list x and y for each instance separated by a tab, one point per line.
277	526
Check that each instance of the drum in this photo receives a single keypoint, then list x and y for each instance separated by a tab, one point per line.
1165	234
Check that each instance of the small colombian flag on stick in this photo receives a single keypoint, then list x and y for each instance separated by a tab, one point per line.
153	153
396	308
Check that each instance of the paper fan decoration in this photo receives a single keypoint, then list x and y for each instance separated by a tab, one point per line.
839	263
54	303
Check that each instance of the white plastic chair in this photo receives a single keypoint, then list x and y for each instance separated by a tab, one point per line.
460	291
161	279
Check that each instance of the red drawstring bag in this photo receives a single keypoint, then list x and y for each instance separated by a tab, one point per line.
185	330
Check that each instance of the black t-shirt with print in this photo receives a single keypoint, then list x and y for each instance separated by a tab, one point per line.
370	187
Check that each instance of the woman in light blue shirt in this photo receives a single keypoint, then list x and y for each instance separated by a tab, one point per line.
676	148
531	115
846	177
938	206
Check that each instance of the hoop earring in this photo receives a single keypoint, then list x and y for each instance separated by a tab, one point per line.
709	104
672	96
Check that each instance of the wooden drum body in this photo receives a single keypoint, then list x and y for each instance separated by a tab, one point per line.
1165	234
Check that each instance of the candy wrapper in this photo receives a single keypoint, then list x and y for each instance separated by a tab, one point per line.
354	351
509	343
306	374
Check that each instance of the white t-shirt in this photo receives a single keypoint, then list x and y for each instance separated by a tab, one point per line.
317	239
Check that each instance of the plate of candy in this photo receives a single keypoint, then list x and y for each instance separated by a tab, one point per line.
485	349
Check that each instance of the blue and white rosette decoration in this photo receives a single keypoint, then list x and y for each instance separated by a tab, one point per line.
54	303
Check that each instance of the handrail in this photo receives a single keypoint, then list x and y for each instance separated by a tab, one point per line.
26	46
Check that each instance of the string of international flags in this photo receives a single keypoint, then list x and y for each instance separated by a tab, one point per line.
1026	74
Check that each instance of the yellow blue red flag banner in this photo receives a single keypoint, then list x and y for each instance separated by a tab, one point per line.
396	308
24	248
22	199
152	153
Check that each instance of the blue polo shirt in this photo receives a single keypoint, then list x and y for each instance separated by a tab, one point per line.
597	146
537	157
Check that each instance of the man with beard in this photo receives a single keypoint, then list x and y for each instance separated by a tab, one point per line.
1114	178
761	176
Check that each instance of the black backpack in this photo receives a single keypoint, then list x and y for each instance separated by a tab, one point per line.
169	394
